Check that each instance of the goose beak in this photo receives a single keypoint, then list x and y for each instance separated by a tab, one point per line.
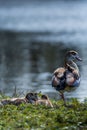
78	58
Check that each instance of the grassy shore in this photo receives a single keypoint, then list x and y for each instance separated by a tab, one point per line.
31	117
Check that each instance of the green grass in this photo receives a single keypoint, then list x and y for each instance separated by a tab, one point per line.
31	117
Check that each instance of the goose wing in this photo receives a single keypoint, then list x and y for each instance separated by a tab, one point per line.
63	77
58	79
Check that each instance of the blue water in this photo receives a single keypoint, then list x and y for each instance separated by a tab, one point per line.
33	34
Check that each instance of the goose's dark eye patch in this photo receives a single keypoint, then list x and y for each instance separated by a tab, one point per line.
73	53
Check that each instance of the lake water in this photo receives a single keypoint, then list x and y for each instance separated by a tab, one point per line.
34	37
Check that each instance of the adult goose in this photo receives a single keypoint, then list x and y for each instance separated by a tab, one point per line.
67	78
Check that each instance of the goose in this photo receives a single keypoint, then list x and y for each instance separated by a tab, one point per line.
67	78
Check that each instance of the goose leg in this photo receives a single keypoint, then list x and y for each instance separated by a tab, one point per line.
62	96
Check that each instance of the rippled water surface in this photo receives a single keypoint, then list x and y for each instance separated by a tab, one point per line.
34	37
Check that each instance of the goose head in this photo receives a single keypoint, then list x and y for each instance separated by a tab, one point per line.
72	56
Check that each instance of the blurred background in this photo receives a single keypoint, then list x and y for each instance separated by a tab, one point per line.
34	37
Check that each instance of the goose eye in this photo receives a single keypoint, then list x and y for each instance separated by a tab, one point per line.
74	54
